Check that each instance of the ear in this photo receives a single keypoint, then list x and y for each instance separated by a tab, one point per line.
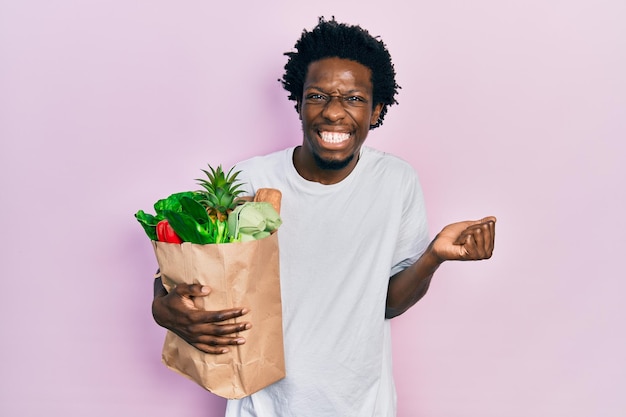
376	114
299	108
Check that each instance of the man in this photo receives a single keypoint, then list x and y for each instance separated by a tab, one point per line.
354	241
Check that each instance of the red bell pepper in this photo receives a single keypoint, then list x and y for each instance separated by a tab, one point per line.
165	233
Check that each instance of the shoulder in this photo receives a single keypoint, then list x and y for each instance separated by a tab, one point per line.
260	165
263	161
266	170
379	163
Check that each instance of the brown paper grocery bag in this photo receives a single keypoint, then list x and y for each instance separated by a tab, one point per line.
244	274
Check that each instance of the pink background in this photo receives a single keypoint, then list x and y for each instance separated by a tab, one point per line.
511	108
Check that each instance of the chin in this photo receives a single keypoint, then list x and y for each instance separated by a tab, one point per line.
332	164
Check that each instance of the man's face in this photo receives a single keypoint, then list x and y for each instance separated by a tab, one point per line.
336	111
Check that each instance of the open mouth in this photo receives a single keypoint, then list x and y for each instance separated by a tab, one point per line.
334	137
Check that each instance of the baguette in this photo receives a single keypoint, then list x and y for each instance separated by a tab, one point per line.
269	195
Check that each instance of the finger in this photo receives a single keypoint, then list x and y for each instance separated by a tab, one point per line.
478	234
467	249
218	346
221	315
213	334
488	219
211	349
470	225
489	238
212	330
485	239
218	341
483	235
491	229
474	227
469	231
461	238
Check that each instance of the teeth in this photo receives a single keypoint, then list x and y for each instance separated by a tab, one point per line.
334	137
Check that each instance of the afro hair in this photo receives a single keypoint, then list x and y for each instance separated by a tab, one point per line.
333	39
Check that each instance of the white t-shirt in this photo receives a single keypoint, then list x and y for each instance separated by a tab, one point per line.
339	244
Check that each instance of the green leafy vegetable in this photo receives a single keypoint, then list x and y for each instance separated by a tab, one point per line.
213	215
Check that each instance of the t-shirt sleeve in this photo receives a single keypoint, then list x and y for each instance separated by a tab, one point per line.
413	238
267	171
247	173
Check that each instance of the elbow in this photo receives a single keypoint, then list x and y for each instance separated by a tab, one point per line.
391	312
399	305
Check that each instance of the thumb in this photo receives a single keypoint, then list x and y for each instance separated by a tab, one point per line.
192	290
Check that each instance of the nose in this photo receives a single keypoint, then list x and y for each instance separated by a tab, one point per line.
333	109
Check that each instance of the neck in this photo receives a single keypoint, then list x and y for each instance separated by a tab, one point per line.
311	170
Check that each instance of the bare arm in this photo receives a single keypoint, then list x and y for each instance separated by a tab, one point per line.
205	330
469	240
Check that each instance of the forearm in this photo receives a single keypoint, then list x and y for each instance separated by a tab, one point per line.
159	293
462	241
408	286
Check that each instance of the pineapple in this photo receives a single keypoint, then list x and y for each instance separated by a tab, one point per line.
220	192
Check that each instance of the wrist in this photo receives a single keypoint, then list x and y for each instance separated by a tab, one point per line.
159	312
432	256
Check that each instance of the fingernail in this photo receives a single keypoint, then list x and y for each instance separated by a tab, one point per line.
205	290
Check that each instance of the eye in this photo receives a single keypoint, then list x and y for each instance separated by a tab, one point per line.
356	101
316	98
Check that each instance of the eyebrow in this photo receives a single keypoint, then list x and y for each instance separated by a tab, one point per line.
321	90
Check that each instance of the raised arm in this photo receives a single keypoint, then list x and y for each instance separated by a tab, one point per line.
463	241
